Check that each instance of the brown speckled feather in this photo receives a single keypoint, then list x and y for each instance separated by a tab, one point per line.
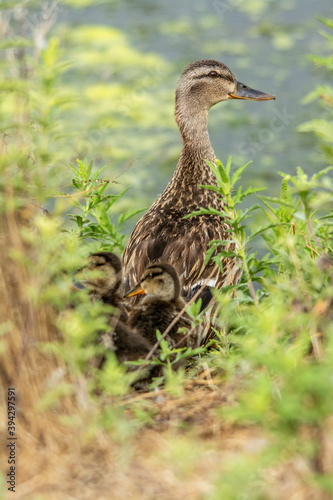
163	233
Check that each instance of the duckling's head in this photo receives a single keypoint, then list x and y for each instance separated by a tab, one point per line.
207	82
160	281
108	278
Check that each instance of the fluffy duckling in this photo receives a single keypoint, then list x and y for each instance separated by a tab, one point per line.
106	286
127	344
159	307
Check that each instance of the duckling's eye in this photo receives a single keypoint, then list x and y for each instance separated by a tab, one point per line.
213	74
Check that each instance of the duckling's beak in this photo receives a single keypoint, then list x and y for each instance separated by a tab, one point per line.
76	285
137	290
244	92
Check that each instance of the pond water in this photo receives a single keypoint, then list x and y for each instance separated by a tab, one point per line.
264	43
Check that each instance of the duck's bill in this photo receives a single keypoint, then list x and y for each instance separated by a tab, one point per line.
244	92
137	290
77	285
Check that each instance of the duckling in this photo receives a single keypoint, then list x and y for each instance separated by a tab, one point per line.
106	286
163	233
127	344
160	306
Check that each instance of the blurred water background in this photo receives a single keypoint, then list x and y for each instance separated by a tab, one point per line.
126	60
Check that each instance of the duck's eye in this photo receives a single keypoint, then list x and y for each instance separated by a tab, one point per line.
213	74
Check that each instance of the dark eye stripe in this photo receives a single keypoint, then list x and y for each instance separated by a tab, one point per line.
207	76
153	275
218	75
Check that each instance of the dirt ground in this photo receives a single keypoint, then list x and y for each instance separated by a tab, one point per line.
181	450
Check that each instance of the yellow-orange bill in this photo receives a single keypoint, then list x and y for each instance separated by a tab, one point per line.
137	290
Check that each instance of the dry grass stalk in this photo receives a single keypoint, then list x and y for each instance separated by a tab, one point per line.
23	365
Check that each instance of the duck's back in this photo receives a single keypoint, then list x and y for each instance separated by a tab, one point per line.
181	242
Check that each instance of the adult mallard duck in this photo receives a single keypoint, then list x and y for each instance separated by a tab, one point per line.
160	306
163	233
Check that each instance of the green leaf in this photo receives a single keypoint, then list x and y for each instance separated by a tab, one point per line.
325	20
237	175
127	215
264	228
275	200
15	43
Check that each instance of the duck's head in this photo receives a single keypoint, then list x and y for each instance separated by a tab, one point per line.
107	277
160	281
207	82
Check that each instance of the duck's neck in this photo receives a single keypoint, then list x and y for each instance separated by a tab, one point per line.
193	126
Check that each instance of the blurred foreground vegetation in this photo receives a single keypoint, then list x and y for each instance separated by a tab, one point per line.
251	417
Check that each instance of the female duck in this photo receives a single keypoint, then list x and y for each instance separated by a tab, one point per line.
163	233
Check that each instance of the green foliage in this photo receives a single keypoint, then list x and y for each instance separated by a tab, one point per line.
93	219
281	332
37	143
322	127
